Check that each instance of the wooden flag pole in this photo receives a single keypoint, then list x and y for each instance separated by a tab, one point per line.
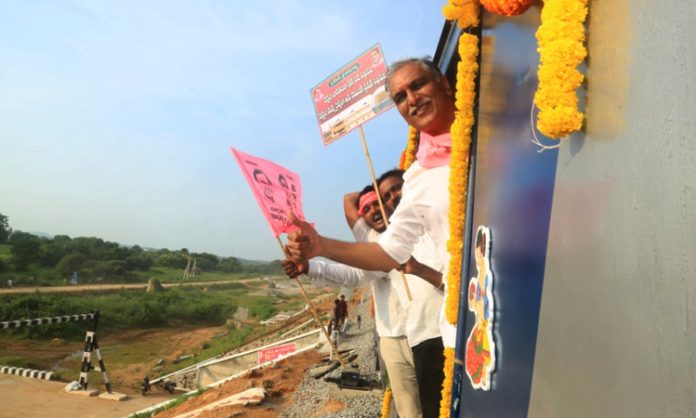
314	312
379	200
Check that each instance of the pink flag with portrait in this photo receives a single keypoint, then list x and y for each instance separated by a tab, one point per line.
277	190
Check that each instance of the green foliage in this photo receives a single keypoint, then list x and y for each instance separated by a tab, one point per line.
70	263
25	249
172	260
229	264
14	361
103	261
140	261
40	306
5	230
205	261
134	309
176	402
260	307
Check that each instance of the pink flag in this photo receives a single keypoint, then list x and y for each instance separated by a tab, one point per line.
276	189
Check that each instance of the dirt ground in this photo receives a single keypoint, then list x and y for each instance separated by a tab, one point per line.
128	356
279	381
32	398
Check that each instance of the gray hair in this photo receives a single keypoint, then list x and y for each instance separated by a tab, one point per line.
424	62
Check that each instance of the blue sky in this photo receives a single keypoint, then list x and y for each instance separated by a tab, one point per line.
116	117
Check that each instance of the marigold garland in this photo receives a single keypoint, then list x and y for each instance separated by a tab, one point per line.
507	7
465	12
386	401
561	38
460	133
409	154
447	383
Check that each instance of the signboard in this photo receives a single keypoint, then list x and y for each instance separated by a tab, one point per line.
277	190
270	354
352	95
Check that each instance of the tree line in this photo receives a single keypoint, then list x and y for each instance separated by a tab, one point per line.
97	259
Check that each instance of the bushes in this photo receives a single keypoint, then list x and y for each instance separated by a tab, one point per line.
70	263
135	309
260	307
41	306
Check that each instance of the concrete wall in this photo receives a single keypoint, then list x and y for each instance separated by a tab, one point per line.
617	330
223	368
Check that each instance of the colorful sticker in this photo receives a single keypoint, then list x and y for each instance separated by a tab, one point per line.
480	346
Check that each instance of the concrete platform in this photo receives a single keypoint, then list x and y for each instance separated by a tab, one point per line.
84	393
114	396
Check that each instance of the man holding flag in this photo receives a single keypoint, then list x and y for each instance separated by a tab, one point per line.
365	220
425	100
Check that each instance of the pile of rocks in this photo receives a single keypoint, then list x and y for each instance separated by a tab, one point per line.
322	397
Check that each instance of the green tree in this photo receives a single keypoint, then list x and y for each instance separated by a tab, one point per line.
229	265
5	229
70	263
172	260
205	261
25	249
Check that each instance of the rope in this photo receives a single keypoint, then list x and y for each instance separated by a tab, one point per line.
535	140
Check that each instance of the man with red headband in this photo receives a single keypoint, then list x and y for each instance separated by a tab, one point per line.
425	100
365	219
422	331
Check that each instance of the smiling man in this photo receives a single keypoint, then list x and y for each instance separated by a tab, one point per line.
425	100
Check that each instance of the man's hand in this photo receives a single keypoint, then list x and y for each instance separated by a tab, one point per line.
304	242
412	266
419	269
295	267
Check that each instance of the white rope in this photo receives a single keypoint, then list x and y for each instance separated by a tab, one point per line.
535	140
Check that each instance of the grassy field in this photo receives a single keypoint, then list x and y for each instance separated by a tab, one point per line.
137	328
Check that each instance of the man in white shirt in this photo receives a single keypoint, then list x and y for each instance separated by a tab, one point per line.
422	328
425	100
365	220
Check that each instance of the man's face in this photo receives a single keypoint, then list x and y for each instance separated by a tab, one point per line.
390	189
424	102
373	216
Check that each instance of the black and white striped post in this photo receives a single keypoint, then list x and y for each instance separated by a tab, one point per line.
92	346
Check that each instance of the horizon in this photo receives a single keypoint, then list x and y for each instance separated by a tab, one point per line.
116	119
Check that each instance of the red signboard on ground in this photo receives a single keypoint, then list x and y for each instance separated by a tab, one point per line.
270	354
352	95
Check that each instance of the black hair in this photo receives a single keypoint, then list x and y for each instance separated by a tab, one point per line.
391	173
367	189
481	241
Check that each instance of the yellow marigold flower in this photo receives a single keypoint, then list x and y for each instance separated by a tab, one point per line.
386	402
564	51
564	10
548	98
572	31
411	148
447	384
560	44
465	12
559	121
560	77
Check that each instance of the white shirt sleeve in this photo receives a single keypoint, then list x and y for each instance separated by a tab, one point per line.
405	227
332	274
